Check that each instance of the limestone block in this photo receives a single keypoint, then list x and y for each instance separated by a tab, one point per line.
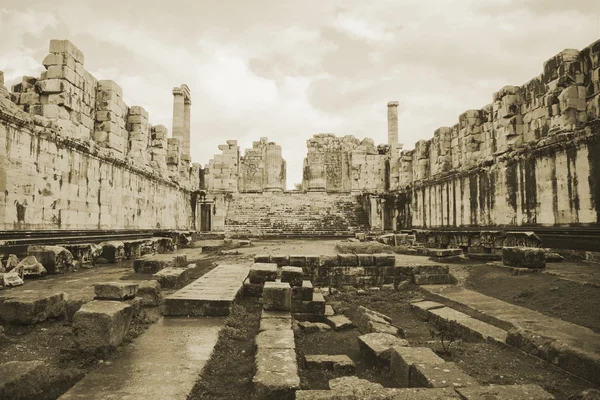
113	251
304	292
276	374
293	275
277	296
85	253
350	260
252	289
280	260
172	277
328	261
508	392
446	374
155	263
297	260
65	46
275	339
385	260
403	358
339	322
31	267
379	346
524	257
150	293
378	327
420	308
56	259
276	324
262	272
31	309
311	327
101	324
115	290
341	363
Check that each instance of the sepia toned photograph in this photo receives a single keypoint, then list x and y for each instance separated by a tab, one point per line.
300	200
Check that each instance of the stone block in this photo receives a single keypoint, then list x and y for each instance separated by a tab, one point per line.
293	275
328	310
266	314
441	375
277	296
84	253
276	374
378	346
275	324
339	322
328	260
316	305
403	358
311	327
262	272
341	363
252	289
304	292
524	257
10	279
444	252
433	279
348	260
150	293
365	260
101	324
115	290
420	308
31	309
275	339
172	277
262	258
385	260
56	259
113	251
280	260
297	261
504	392
155	263
378	327
22	379
313	260
31	267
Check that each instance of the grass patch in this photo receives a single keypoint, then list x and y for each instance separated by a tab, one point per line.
229	372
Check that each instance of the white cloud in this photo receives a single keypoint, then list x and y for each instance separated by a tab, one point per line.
362	29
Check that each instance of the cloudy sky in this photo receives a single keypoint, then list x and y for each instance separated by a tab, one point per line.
289	69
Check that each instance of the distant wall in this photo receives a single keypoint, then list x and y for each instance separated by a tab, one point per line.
532	157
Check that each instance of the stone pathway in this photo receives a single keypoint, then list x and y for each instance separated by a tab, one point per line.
163	363
210	295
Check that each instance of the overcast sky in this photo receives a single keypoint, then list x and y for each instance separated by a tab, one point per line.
289	69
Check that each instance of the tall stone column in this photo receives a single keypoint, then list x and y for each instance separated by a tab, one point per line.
273	164
182	102
392	116
186	126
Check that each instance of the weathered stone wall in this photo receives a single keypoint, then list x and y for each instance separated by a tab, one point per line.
262	168
73	155
344	164
530	157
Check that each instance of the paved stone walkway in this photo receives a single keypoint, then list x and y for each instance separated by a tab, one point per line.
210	295
163	363
575	335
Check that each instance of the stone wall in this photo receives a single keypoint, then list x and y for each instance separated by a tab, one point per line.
73	155
262	168
344	164
530	157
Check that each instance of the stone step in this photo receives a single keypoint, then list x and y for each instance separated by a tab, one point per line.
470	326
210	295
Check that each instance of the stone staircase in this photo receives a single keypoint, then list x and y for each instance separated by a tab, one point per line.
294	215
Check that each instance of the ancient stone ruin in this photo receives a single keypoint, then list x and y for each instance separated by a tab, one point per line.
111	237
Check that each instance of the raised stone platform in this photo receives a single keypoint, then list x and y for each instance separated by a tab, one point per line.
210	295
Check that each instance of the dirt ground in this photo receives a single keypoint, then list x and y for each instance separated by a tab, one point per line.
548	294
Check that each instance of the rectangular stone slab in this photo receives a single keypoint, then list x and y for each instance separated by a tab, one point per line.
293	275
115	290
330	362
275	339
31	309
379	345
439	375
402	358
420	308
276	374
210	295
171	277
262	272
